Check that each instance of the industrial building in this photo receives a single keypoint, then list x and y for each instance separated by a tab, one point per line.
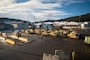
4	26
85	25
20	25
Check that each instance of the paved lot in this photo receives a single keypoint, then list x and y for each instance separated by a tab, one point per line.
47	44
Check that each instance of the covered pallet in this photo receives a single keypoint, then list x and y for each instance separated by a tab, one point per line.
52	33
23	39
13	36
45	33
27	31
87	40
50	57
2	39
59	55
4	34
31	31
73	35
23	30
38	31
10	41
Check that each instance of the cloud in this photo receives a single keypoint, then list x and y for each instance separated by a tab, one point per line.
5	3
73	1
41	9
32	5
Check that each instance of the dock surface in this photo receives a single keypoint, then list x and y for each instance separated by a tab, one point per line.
44	44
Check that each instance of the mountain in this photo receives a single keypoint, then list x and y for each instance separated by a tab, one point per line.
81	18
9	20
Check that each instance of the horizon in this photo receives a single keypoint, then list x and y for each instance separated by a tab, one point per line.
39	21
40	10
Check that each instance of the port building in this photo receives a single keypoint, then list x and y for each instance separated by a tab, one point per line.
20	25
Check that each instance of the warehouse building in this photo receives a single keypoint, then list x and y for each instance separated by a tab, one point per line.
20	25
4	26
85	25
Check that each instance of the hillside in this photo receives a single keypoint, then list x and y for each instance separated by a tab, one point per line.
9	20
81	18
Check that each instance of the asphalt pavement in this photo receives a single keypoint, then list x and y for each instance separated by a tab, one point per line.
46	44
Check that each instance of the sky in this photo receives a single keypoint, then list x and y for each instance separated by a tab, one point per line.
40	10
